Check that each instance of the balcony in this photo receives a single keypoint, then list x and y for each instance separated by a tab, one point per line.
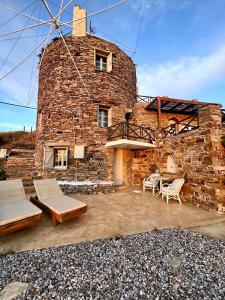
127	135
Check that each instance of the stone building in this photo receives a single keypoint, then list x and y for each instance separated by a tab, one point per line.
73	117
91	125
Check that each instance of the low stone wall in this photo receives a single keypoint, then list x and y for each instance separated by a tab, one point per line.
20	164
94	188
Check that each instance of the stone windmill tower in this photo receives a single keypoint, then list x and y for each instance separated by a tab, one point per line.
76	103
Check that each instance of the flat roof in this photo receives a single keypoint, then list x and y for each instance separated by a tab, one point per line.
172	105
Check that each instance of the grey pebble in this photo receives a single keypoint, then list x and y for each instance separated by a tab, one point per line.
165	264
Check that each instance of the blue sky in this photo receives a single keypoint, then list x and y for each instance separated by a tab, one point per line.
180	51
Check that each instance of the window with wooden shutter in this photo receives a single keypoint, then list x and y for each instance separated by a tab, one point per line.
109	62
48	157
56	157
94	57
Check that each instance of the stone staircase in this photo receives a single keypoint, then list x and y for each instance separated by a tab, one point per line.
20	164
28	184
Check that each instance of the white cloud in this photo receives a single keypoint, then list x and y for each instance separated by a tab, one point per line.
161	5
181	77
149	4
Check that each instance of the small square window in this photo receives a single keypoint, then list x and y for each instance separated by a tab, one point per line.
103	118
101	63
103	60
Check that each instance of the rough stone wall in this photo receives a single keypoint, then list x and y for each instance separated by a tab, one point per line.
20	147
17	139
141	165
148	118
87	189
20	165
67	115
200	158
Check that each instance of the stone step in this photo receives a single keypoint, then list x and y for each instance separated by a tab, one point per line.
19	150
28	183
21	165
25	178
29	189
19	159
18	171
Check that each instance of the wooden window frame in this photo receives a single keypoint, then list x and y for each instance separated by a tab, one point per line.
109	60
67	156
105	109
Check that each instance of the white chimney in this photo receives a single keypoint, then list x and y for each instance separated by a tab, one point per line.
79	21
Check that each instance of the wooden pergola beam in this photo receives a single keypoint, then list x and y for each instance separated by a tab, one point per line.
159	111
190	102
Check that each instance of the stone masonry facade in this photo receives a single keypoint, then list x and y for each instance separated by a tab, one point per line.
199	156
68	116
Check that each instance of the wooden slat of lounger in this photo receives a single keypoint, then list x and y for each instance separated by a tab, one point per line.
18	225
60	218
11	190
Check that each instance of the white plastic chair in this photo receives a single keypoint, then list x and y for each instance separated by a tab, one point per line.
172	191
151	183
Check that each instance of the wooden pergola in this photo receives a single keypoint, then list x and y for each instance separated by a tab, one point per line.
175	106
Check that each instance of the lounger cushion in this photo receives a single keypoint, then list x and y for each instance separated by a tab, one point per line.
62	204
47	188
16	211
11	190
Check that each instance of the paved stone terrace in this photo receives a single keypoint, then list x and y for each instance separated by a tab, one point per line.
109	215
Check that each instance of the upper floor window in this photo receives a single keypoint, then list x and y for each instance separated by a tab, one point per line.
101	63
103	118
103	60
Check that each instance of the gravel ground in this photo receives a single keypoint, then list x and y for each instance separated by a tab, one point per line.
164	264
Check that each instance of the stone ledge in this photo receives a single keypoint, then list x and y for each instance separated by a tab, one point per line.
87	187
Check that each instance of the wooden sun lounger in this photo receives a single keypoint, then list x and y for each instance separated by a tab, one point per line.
51	199
16	212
